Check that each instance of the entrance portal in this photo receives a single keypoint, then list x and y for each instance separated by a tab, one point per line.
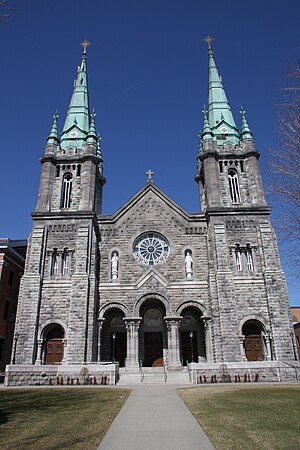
253	341
153	345
54	351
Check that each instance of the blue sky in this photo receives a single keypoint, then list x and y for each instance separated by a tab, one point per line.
147	70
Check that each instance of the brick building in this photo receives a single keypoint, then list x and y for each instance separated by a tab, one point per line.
152	284
12	260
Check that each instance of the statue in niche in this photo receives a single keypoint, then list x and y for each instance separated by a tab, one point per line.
114	266
188	262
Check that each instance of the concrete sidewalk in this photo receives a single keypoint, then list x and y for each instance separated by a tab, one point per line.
155	418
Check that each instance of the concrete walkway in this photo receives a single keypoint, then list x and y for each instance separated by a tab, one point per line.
155	418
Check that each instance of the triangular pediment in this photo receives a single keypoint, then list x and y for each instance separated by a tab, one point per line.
145	200
153	278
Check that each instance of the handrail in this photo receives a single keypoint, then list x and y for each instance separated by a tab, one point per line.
165	372
142	375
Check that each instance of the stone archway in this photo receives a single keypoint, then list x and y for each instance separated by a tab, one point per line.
152	332
53	344
253	332
192	336
114	336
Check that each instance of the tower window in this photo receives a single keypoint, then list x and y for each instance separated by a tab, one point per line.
54	263
66	191
78	170
57	171
65	262
238	258
6	310
249	258
234	186
242	166
221	166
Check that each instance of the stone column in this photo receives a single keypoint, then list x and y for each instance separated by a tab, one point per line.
242	348
65	344
208	340
268	347
173	324
38	360
100	325
132	327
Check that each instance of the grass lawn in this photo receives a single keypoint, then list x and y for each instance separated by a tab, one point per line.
247	417
47	419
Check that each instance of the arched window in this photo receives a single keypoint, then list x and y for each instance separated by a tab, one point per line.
249	258
66	191
238	258
65	262
234	186
54	263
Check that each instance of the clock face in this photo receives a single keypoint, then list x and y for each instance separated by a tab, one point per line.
73	134
224	130
151	249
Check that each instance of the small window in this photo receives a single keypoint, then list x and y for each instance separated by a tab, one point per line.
78	173
221	166
65	262
238	258
66	191
54	263
6	310
234	186
10	278
57	171
249	258
242	166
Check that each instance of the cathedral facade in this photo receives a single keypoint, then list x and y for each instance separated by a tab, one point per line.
152	284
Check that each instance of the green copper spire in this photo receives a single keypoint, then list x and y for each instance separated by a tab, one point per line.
77	122
92	136
220	117
206	133
246	133
53	136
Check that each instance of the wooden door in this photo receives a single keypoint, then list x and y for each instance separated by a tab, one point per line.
254	348
54	351
153	347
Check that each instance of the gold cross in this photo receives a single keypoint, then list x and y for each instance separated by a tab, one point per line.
208	40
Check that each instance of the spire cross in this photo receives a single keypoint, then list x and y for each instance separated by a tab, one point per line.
85	44
149	173
208	40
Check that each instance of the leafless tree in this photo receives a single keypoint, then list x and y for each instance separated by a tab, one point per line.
5	11
286	162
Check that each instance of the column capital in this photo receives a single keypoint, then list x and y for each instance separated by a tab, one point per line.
173	321
132	322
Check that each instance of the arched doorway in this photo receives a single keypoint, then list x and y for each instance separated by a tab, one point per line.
54	345
253	343
192	337
152	333
114	337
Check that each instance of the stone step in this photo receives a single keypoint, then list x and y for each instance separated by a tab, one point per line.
154	376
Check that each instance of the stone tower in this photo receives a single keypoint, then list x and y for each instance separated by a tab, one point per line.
245	276
60	284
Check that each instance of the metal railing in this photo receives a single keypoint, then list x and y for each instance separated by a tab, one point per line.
165	372
142	375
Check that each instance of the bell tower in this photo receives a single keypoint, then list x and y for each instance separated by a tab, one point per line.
245	275
59	294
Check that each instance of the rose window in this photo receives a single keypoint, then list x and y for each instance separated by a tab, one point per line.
151	248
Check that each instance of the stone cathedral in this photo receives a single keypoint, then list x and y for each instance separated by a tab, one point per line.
151	286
